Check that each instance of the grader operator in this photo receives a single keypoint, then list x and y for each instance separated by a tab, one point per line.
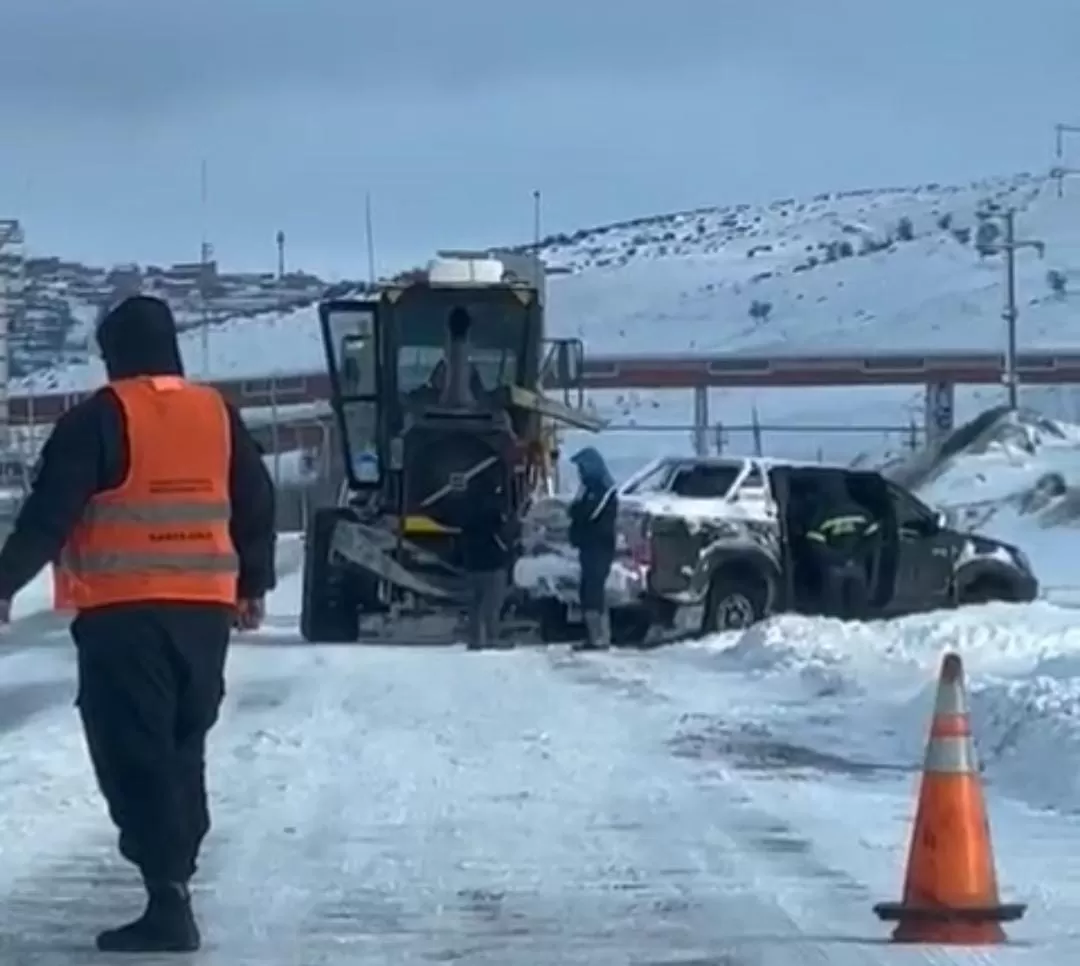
437	388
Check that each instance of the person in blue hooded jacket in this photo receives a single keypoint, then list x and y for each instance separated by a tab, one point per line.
593	516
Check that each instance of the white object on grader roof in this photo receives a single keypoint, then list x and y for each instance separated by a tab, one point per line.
465	271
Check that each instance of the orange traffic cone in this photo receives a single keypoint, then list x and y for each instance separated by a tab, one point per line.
950	890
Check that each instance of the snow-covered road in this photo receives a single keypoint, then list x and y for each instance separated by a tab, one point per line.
419	806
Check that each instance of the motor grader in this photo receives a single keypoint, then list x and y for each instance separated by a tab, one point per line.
427	411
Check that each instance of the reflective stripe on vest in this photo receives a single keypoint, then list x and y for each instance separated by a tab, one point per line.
157	513
104	562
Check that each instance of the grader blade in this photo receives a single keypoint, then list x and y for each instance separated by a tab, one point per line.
352	541
553	409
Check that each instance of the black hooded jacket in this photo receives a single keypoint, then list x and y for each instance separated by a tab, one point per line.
87	453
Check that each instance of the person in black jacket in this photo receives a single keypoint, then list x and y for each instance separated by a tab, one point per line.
151	673
593	516
487	552
838	536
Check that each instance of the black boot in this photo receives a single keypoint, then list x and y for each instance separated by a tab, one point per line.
167	925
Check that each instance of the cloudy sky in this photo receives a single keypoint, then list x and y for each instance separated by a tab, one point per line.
451	114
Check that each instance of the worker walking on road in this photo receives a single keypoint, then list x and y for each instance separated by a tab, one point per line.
153	502
593	515
487	554
839	532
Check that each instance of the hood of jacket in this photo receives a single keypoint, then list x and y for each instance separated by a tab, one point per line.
138	338
592	469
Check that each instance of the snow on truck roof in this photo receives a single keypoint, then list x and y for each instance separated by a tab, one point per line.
764	463
734	495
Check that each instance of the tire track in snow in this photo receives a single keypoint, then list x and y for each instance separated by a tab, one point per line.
827	846
59	871
60	875
443	806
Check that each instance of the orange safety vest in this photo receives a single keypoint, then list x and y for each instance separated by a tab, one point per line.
163	534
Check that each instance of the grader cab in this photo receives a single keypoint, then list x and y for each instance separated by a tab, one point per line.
438	391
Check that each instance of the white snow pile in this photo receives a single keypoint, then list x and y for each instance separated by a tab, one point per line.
1020	459
1015	477
877	682
550	565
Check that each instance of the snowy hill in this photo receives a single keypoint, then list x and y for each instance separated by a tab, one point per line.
896	267
872	269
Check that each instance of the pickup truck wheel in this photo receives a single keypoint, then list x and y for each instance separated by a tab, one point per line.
630	626
986	590
554	627
734	602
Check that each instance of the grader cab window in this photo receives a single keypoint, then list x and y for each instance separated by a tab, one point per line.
497	338
352	340
361	427
358	366
352	336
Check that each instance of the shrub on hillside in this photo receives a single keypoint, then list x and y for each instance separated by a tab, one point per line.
1058	282
760	310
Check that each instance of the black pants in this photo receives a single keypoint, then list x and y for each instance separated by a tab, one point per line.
487	593
595	569
151	681
846	594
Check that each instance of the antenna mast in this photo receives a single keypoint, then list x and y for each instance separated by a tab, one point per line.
370	231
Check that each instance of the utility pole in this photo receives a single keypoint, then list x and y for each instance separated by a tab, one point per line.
1060	170
205	253
1009	247
537	201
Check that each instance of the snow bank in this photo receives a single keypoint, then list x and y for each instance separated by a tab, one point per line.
879	679
1008	462
1019	481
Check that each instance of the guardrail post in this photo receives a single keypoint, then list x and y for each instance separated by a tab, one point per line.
701	420
940	411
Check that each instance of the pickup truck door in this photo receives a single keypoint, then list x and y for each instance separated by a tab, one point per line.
925	556
780	488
